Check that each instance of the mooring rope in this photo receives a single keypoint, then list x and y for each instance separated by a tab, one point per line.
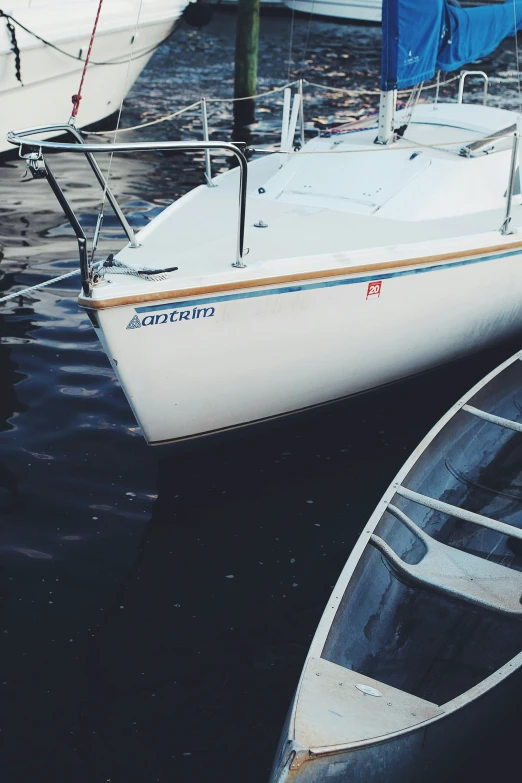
35	287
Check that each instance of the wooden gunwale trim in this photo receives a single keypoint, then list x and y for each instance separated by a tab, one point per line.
183	293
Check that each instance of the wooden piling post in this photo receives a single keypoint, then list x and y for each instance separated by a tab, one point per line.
245	81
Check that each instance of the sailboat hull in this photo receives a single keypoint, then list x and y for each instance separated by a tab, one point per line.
195	365
359	10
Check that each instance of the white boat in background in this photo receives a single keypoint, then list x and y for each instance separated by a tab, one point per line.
268	4
41	91
354	10
333	270
418	655
357	10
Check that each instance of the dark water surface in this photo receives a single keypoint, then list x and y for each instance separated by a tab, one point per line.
156	612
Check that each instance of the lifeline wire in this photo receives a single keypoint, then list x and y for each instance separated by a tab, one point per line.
195	105
351	93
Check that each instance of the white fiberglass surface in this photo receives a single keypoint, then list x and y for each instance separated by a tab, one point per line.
58	20
322	201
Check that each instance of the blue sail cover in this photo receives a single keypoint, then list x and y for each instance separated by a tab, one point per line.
421	37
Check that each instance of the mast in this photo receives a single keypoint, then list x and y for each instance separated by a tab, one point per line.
387	105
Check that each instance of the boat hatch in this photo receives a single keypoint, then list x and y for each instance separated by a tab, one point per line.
365	183
337	706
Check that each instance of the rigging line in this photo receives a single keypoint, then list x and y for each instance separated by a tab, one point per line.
291	39
100	216
303	59
142	53
30	288
410	106
516	55
412	144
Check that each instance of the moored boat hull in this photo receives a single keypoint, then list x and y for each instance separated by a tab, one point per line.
358	10
49	77
193	366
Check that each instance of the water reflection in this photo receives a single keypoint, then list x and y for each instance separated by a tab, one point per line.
162	637
200	646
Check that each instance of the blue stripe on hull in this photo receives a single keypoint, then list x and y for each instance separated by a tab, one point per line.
291	289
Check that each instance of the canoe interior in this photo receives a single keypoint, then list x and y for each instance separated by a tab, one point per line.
426	643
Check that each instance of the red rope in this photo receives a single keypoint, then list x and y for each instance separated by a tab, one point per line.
77	98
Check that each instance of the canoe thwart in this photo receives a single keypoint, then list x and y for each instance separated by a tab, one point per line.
500	420
460	513
456	573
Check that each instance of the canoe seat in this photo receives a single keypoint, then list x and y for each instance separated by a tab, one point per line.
456	573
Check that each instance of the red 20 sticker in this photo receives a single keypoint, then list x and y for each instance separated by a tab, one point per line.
374	289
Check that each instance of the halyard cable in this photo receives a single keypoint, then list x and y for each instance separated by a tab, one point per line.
291	40
100	215
303	59
516	55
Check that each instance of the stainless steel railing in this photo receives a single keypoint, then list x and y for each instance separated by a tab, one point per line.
32	149
462	78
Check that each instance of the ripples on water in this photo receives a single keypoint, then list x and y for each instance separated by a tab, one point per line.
156	614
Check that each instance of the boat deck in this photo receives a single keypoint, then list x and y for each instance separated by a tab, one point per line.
338	201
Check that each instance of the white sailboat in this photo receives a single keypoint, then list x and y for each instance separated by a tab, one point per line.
417	658
311	275
43	45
